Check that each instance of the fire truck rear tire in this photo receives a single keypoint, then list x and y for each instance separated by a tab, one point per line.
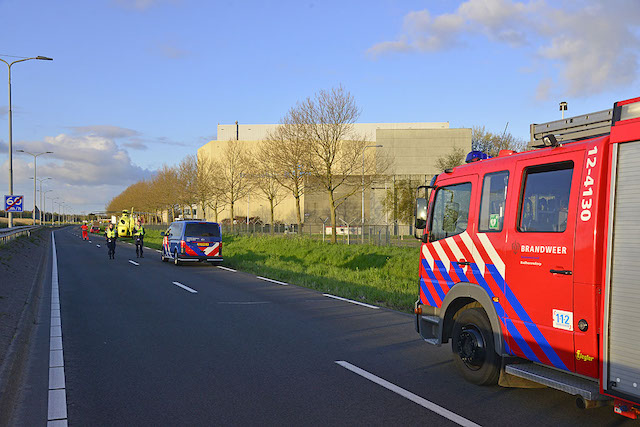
473	348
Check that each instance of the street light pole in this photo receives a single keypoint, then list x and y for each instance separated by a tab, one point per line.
40	180
364	148
35	156
42	58
44	204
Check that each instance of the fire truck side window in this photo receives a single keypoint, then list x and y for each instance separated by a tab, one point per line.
494	195
545	200
450	211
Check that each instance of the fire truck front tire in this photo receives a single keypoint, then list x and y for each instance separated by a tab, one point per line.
473	348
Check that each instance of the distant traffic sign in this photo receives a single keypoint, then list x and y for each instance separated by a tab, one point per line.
13	203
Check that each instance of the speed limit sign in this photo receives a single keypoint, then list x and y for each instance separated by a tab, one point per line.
13	203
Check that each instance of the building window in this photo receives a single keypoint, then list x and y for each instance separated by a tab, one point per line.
545	198
494	196
450	211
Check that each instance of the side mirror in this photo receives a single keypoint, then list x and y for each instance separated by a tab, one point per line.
421	213
162	233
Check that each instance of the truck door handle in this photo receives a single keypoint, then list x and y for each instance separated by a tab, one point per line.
565	272
463	262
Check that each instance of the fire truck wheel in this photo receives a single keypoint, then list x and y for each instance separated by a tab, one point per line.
473	349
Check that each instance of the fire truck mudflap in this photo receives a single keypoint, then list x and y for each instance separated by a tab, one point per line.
621	331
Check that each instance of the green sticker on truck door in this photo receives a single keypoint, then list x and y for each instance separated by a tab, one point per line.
494	222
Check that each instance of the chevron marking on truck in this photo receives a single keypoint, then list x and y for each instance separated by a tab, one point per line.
487	269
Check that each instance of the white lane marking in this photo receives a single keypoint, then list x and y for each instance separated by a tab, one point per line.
244	302
158	251
352	301
186	288
56	378
133	262
408	395
98	245
271	280
56	358
57	408
57	399
227	268
57	423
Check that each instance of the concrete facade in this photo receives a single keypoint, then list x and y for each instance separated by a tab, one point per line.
413	149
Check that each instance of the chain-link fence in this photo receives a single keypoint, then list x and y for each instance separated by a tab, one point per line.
379	235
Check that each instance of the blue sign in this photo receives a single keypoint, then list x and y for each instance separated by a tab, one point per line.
13	203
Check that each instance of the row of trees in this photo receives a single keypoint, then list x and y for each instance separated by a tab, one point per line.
314	148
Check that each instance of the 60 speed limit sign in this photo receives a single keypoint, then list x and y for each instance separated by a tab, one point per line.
13	203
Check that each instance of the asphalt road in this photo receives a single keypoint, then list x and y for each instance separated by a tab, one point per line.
230	348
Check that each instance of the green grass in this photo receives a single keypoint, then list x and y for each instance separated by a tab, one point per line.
384	276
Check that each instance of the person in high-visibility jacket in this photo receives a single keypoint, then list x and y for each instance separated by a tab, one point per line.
111	234
84	231
138	234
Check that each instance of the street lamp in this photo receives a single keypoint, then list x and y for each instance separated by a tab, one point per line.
44	204
40	180
35	156
364	148
41	58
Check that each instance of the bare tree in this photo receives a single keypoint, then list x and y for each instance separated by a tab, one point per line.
188	177
167	188
205	182
334	148
285	153
234	177
491	143
451	160
267	183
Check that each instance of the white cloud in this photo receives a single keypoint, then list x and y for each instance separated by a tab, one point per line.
595	45
87	170
106	131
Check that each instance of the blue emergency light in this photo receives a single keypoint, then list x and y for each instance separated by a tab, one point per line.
475	156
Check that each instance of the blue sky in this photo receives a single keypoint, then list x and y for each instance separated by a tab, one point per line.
138	83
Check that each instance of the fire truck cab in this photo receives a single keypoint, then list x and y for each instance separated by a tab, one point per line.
529	261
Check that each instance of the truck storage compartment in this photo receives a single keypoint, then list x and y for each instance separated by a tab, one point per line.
622	304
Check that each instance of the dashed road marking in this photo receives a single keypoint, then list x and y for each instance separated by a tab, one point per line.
227	268
407	394
352	301
271	280
186	288
243	302
133	262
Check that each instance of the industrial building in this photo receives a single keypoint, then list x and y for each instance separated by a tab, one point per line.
413	149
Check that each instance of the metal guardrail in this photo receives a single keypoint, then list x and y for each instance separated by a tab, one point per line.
7	234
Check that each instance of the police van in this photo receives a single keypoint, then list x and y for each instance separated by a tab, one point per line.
192	241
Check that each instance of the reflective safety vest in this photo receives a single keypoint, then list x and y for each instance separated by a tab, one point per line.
111	233
138	231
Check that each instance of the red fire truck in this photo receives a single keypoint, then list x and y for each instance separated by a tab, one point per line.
530	262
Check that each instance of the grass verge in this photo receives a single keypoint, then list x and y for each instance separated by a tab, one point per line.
384	276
